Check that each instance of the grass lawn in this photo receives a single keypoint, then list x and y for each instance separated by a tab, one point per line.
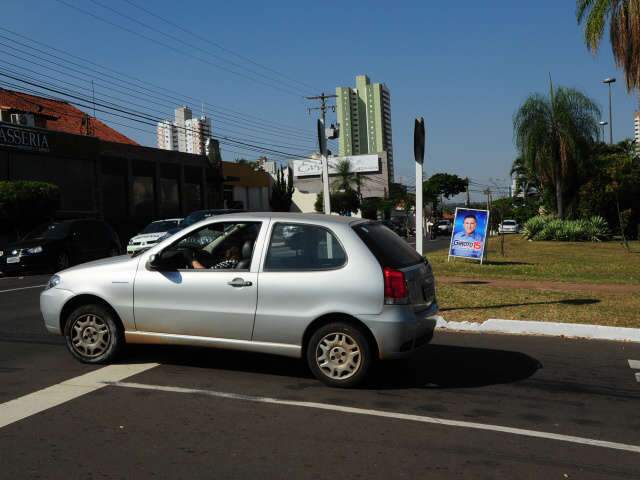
480	302
606	262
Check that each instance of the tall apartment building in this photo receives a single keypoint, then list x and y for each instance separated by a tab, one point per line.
636	130
364	115
185	133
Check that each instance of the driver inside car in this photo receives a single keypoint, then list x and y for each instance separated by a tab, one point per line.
230	261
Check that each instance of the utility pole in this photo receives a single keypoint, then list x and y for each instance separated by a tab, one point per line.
322	143
323	105
487	192
468	204
609	81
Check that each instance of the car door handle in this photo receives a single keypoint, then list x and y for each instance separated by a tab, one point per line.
239	282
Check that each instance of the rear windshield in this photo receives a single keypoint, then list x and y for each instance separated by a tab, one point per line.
390	250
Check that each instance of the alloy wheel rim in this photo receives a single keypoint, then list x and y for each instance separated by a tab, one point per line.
90	336
338	356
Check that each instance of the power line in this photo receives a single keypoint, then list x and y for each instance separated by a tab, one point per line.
171	47
99	84
146	86
142	118
222	131
217	45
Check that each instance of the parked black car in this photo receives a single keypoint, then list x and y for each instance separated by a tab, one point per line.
58	245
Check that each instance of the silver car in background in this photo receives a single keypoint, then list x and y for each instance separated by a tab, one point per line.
339	292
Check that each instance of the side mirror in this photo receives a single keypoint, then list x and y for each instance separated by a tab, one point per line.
166	260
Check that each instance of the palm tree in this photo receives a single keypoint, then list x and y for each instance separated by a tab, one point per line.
623	17
345	179
553	135
526	181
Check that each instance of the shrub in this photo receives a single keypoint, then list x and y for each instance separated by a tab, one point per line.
23	204
548	228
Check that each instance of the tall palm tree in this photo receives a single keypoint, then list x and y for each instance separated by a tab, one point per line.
526	181
345	179
553	135
623	17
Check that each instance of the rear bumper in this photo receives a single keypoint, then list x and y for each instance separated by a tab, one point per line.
399	331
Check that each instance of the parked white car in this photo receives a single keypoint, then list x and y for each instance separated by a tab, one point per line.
508	226
151	233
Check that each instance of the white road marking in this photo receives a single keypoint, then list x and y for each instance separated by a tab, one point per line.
635	364
385	414
22	288
36	402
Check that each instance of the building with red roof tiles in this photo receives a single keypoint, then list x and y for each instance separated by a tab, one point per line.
32	111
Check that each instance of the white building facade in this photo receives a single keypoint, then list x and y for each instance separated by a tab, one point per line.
186	133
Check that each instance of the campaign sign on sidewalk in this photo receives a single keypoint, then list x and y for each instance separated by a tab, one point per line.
469	235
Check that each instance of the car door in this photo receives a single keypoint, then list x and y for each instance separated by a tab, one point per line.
208	302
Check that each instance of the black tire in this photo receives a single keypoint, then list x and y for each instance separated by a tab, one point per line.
62	261
338	367
92	334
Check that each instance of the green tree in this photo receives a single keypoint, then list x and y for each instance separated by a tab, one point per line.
623	19
527	183
554	135
612	189
282	192
24	204
446	185
345	179
343	203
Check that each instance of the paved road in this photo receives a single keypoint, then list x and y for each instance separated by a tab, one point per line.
443	415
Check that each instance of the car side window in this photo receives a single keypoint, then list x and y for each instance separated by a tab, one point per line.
219	246
299	247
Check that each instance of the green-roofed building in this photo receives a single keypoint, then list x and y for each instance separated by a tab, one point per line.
364	114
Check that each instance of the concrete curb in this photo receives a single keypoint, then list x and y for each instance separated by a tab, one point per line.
553	329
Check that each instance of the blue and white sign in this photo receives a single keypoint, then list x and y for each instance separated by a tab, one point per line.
469	235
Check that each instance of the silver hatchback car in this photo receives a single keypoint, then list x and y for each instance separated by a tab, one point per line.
338	291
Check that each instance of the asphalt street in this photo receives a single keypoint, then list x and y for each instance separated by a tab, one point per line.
468	406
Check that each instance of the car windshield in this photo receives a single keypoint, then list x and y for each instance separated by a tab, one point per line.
388	248
509	222
48	231
443	222
161	226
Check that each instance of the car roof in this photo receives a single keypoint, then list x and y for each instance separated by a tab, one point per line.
167	220
299	217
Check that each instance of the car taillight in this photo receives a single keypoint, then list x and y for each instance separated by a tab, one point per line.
395	287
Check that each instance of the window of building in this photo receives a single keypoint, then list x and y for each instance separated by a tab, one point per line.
298	247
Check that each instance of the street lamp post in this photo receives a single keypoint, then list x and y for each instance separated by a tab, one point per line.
609	81
602	123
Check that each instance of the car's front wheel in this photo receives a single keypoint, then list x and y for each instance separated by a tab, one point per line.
339	354
92	334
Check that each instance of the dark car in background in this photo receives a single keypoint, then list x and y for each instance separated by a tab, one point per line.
58	245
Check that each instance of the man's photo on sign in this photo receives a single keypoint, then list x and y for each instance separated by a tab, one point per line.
469	233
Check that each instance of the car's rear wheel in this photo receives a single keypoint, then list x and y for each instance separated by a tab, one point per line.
92	334
339	354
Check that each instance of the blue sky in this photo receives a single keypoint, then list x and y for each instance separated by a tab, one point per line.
465	66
